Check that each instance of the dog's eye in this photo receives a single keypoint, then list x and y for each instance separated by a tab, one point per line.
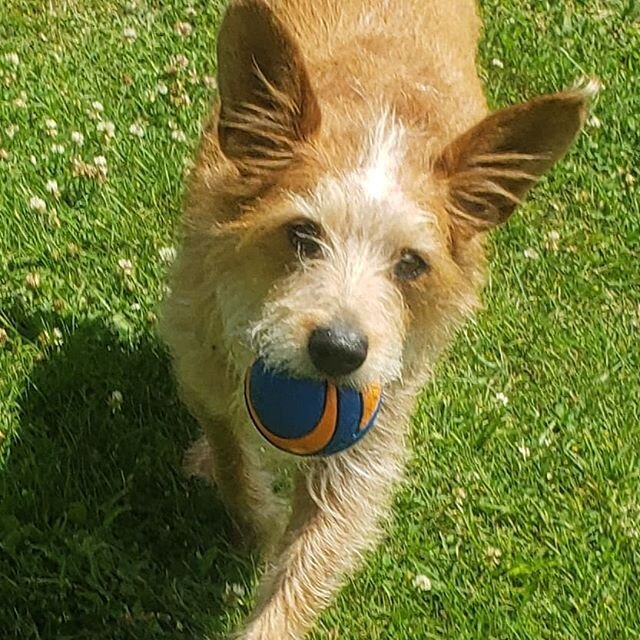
410	266
304	237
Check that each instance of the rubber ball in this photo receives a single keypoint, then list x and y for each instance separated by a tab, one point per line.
308	417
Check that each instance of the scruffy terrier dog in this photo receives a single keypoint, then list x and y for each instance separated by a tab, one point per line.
343	186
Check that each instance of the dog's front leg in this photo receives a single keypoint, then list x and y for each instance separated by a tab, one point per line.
337	508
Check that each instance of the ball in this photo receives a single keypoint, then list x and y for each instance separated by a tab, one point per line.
308	417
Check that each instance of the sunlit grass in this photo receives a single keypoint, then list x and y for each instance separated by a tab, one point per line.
520	517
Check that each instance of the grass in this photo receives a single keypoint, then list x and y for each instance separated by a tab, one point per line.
522	505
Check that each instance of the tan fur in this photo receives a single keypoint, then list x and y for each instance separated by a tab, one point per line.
366	117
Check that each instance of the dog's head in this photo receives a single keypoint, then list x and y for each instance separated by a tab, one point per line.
347	247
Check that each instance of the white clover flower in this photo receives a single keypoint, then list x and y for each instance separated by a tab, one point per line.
115	401
52	188
32	280
494	554
531	253
553	241
188	166
136	129
12	58
129	34
21	101
178	135
502	398
496	62
37	204
177	62
82	169
185	29
210	82
162	88
11	131
77	138
423	583
167	254
594	121
181	100
459	494
107	128
58	338
233	593
51	338
96	110
524	451
100	163
126	265
544	440
58	149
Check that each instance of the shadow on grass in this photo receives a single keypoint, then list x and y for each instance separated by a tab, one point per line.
101	536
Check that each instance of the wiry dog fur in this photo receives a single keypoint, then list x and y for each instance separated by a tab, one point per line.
367	118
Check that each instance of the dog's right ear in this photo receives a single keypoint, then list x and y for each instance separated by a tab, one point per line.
489	169
267	105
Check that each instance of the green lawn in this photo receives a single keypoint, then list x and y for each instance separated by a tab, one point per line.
522	507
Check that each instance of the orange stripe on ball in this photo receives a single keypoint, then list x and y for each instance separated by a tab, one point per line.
314	441
370	399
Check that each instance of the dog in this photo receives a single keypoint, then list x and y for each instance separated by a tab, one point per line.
344	182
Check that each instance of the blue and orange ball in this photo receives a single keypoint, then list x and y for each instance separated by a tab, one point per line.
308	417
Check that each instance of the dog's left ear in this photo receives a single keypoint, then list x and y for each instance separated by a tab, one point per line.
267	105
489	169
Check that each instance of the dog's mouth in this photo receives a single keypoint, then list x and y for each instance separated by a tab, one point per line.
307	371
336	353
306	416
296	363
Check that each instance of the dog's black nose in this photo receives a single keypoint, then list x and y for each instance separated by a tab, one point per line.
338	349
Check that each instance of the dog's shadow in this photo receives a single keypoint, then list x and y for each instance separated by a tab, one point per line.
101	535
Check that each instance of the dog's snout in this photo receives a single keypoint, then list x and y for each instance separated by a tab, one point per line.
337	349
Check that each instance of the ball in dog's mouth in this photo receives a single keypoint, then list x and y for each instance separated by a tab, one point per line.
308	417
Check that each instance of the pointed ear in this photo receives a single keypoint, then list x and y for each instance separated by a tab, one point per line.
490	168
267	104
